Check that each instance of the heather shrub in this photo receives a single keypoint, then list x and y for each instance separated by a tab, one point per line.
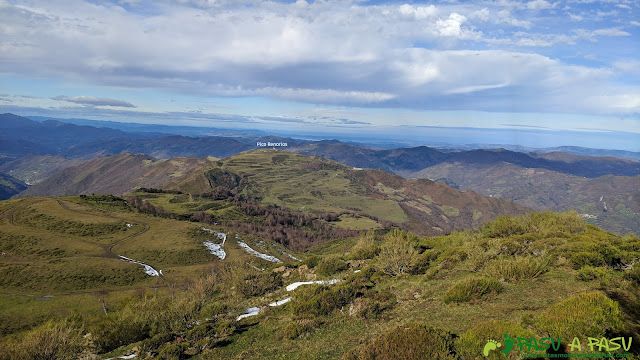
331	265
365	248
516	268
407	342
585	258
174	351
256	284
397	253
588	313
588	273
52	340
472	288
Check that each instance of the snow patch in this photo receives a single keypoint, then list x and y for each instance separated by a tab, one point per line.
296	285
252	311
129	225
215	249
127	356
147	268
248	249
221	236
280	302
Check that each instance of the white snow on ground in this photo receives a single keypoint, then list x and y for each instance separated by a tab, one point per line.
129	225
215	249
252	311
295	285
248	249
147	268
280	302
291	256
127	356
221	236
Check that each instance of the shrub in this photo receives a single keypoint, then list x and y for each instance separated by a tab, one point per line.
174	351
588	273
331	265
296	328
473	288
256	284
504	226
156	342
365	248
585	258
116	329
372	305
589	313
397	253
323	299
516	268
312	261
422	262
407	342
633	274
471	343
53	340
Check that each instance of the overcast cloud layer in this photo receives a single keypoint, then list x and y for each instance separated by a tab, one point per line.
564	56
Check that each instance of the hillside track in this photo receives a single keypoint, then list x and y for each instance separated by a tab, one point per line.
8	213
108	249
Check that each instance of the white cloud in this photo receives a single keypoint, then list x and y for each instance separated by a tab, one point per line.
630	66
611	32
325	52
452	25
539	5
94	101
575	17
418	12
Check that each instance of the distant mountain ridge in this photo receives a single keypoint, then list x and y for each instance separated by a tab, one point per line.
118	174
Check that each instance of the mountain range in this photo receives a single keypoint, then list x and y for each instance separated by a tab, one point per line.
604	189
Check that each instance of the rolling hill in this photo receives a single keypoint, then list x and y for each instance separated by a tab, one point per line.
10	186
119	174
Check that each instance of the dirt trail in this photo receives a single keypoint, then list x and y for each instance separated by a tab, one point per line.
108	249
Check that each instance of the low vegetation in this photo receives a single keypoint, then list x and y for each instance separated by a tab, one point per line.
396	295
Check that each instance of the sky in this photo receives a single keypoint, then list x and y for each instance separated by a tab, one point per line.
331	66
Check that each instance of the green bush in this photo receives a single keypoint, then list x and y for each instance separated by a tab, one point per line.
633	274
312	261
584	258
471	343
473	288
365	248
331	265
592	314
588	273
299	327
174	351
372	304
322	300
407	342
156	342
52	340
397	254
256	284
504	226
422	262
516	268
117	329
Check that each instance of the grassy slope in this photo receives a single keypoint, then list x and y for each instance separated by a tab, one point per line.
78	256
420	295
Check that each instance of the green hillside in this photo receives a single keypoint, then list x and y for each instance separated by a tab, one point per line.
394	294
